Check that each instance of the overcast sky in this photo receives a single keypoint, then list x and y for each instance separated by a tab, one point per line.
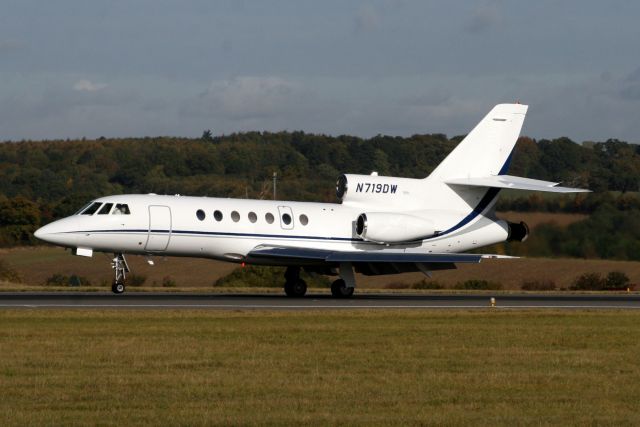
120	68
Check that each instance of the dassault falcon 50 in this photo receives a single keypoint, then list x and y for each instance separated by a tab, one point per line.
382	225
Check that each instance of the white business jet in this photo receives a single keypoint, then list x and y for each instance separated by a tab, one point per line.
383	225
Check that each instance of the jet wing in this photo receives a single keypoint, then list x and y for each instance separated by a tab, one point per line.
366	262
515	183
358	256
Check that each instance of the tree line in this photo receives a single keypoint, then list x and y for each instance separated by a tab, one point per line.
44	180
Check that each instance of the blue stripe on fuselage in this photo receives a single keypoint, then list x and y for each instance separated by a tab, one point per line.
217	233
486	200
491	194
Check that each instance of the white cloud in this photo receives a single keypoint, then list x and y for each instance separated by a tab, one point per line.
88	86
630	90
485	17
10	45
248	97
367	19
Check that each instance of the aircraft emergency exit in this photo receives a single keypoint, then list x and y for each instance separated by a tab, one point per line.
382	225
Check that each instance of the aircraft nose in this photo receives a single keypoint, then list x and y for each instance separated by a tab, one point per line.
59	233
56	233
41	233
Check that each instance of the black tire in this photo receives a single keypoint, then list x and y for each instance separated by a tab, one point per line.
295	289
117	288
339	289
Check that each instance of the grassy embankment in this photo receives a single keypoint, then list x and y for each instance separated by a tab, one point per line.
395	367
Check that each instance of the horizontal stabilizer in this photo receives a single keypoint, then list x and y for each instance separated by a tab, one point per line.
514	183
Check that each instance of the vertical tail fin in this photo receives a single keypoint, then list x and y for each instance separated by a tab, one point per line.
487	149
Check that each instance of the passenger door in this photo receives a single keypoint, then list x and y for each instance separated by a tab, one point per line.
286	217
159	228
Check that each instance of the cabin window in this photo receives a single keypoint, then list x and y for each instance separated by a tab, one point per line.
121	209
304	220
235	216
105	209
253	217
92	208
286	218
217	215
200	214
269	218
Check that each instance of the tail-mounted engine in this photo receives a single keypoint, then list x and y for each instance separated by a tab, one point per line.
387	227
517	232
366	189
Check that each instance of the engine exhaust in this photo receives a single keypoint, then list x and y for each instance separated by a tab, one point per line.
518	232
361	225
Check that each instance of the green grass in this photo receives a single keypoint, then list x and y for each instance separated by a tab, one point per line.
337	367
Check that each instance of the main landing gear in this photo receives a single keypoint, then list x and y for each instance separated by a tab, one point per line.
344	286
294	286
339	289
120	268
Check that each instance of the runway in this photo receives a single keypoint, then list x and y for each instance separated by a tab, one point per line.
98	300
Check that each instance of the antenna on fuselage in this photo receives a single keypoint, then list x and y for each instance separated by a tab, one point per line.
275	180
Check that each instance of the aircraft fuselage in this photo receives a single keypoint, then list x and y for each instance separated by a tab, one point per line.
228	229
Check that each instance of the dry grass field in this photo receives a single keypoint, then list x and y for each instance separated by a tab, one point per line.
512	272
36	264
338	367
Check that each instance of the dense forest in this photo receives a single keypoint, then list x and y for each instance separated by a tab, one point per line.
44	180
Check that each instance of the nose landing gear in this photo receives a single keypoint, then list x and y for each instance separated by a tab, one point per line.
120	268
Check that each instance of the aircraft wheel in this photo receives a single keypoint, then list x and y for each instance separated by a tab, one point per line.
339	289
295	289
117	287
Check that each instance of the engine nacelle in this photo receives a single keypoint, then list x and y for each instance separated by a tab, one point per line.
387	227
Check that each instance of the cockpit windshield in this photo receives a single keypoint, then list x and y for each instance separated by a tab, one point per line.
91	209
104	209
83	208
